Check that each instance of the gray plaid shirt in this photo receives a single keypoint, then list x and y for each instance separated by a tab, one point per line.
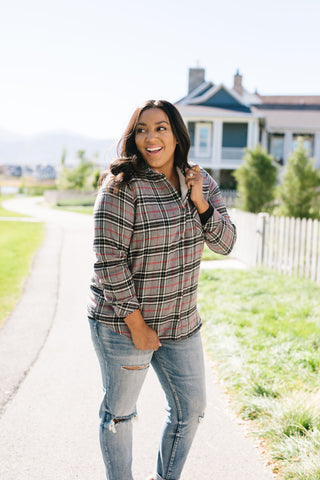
148	242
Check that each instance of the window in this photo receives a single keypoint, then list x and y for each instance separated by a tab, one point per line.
234	135
276	147
307	143
203	139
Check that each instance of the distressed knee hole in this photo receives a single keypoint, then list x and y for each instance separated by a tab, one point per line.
117	420
112	425
137	367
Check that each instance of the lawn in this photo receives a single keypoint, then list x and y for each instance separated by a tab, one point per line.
87	209
18	243
262	330
210	255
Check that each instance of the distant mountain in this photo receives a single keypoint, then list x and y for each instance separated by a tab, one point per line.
7	136
47	148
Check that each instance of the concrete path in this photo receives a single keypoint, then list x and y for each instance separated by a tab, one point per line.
50	381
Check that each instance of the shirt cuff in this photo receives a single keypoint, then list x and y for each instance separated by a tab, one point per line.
204	217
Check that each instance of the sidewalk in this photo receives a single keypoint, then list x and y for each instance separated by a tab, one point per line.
49	428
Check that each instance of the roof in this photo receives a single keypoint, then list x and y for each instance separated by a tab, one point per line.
196	92
290	99
300	121
208	93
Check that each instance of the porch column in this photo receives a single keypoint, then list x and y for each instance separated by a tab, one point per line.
252	134
217	144
287	146
316	154
264	140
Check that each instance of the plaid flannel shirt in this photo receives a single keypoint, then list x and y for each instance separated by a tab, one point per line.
148	243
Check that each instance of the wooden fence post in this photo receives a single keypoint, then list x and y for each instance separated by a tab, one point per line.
315	250
261	232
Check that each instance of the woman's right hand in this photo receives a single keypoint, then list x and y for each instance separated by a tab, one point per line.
143	336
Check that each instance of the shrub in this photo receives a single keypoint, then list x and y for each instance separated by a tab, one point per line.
83	177
299	193
256	179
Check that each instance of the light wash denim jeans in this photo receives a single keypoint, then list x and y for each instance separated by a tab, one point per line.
180	368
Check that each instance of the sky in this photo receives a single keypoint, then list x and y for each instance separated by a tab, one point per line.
85	65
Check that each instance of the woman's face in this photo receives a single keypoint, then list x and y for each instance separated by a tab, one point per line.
155	140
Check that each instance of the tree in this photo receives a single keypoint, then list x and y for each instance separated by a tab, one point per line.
83	176
299	193
63	157
256	179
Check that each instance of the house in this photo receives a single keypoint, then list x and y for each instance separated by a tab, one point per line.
222	121
45	172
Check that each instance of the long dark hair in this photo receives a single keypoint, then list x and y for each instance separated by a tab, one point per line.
130	161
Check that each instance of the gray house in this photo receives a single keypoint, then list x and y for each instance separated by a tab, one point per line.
223	121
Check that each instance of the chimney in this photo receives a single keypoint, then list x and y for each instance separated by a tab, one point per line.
196	78
237	83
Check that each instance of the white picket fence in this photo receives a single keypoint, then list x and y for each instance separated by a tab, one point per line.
287	245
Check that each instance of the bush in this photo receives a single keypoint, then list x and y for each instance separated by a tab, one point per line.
256	179
83	177
38	190
299	193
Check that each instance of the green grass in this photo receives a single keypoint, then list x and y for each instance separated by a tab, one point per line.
18	243
85	200
210	255
88	210
263	331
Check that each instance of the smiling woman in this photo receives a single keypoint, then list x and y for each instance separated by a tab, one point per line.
152	216
155	141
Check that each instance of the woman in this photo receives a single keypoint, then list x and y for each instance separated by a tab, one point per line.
152	216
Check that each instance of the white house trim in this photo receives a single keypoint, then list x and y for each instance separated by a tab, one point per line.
200	112
317	149
253	133
217	143
287	145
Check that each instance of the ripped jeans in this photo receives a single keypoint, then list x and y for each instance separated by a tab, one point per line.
180	369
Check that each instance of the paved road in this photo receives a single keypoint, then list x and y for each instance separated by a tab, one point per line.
52	386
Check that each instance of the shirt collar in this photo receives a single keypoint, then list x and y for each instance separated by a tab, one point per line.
183	186
158	176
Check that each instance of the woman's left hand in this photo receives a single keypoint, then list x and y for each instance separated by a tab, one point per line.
194	183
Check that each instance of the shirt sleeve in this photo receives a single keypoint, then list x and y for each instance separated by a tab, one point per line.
219	232
113	226
204	217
